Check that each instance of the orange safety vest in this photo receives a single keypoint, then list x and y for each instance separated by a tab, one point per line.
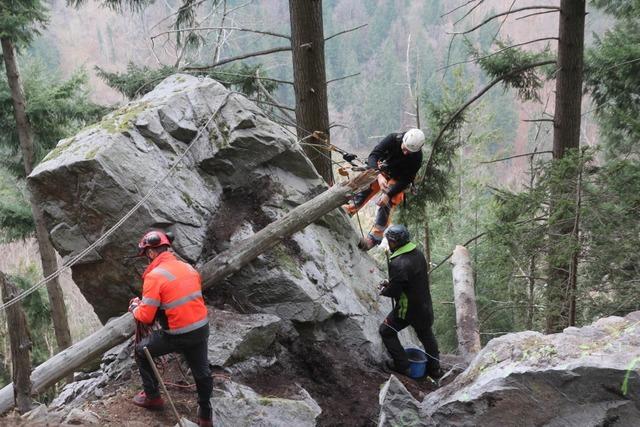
175	287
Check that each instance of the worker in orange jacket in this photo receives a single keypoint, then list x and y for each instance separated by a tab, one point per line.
172	294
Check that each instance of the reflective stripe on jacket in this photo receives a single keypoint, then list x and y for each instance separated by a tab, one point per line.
175	287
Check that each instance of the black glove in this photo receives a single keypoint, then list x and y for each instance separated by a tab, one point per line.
382	285
134	303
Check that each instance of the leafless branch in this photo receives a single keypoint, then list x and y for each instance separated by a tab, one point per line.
502	23
408	68
269	79
496	52
266	93
240	57
537	13
344	32
250	30
516	156
457	8
273	104
469	12
342	78
538	120
492	17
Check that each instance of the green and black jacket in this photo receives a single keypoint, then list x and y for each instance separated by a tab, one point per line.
409	285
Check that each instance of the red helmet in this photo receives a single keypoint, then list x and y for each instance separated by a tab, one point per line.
154	239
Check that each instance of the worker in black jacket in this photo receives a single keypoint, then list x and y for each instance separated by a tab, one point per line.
398	157
408	285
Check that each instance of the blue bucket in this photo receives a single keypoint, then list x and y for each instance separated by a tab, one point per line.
417	362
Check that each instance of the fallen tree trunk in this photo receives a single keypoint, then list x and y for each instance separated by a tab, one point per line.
214	271
465	300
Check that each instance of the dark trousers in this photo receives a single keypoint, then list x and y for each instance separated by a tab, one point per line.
193	345
389	332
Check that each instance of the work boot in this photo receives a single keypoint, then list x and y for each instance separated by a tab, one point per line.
366	243
435	372
141	399
391	366
205	418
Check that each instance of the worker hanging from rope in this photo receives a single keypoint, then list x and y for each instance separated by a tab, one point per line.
398	157
172	294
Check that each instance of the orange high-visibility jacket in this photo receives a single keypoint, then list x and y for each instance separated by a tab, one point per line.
175	287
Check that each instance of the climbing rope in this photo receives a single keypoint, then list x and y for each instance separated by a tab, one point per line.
126	216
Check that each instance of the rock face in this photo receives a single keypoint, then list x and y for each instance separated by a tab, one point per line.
581	377
236	337
236	405
241	172
397	406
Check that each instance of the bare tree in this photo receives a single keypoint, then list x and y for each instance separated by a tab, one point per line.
47	252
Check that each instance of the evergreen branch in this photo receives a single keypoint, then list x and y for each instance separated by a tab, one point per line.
240	57
484	90
514	157
180	30
344	32
492	17
480	58
342	78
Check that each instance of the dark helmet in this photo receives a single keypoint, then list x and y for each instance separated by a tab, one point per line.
154	239
397	234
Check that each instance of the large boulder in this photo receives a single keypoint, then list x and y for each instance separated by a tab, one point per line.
581	377
241	172
236	337
236	405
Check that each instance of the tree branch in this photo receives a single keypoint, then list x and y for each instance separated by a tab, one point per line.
496	52
457	8
271	98
516	156
491	18
240	57
537	13
345	31
538	120
484	90
269	79
268	33
469	12
273	104
342	78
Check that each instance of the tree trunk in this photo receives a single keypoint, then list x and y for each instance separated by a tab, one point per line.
213	272
310	82
47	253
20	340
465	301
566	138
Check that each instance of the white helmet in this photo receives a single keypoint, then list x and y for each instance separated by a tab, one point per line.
413	140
